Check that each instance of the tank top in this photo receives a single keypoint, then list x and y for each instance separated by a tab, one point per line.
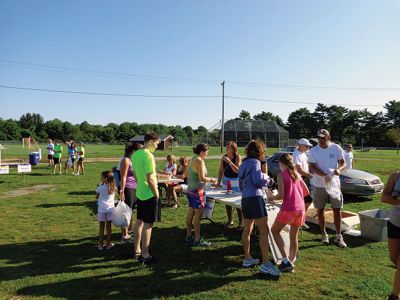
395	211
194	182
130	180
181	171
293	198
228	172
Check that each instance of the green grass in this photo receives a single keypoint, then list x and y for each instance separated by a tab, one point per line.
47	250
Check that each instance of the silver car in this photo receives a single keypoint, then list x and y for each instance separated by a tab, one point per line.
353	182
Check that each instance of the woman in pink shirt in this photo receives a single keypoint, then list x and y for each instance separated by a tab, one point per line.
292	189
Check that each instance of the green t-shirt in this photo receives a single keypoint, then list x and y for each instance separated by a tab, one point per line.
143	163
56	149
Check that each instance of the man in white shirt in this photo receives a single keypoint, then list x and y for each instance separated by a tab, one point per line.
349	156
300	160
326	161
50	152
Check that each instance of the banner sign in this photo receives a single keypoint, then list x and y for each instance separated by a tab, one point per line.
4	170
24	168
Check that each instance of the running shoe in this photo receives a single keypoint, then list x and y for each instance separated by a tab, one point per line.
249	262
286	266
269	269
201	243
340	242
325	239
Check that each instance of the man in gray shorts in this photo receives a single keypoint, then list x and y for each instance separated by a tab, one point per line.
326	161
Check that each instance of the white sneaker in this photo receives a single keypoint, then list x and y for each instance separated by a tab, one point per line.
325	239
340	242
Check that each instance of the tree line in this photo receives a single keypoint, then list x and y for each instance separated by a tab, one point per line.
345	125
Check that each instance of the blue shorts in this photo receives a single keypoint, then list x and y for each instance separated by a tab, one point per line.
196	198
253	207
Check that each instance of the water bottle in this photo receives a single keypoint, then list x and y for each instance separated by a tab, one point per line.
228	185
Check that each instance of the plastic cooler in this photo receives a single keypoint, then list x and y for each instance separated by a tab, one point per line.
373	224
34	158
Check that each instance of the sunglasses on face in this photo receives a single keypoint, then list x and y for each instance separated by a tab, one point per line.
322	137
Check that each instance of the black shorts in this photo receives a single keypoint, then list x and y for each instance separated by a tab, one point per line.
50	156
149	211
81	159
130	197
253	207
308	198
393	231
73	159
57	160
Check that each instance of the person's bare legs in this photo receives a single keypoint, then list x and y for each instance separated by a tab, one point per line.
138	235
294	242
240	217
197	219
394	254
146	238
246	234
229	215
337	216
108	225
189	221
321	220
263	228
101	233
276	232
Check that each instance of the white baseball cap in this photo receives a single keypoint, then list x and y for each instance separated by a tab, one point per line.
304	141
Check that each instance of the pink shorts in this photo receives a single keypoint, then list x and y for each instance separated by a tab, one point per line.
104	216
296	218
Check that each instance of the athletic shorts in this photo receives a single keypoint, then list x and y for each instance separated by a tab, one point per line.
104	216
149	211
295	218
308	198
81	159
57	160
50	156
393	231
253	207
130	197
321	198
73	159
196	198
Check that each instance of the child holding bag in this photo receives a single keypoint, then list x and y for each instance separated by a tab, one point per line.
292	189
105	200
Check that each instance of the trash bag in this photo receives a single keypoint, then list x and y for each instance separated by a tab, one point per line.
332	186
69	162
122	215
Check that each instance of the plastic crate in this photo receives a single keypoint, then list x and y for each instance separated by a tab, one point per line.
373	224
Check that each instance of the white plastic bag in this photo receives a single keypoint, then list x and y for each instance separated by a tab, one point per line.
69	162
332	186
122	215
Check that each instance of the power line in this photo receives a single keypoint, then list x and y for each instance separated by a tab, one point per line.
102	73
176	96
55	68
103	94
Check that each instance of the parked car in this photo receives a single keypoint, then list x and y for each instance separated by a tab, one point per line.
353	182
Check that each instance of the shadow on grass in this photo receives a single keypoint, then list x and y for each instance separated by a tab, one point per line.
180	270
82	193
92	205
356	199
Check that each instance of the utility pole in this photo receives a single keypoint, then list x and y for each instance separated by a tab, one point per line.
223	121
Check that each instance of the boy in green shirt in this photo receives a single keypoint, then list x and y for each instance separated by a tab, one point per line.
144	171
58	150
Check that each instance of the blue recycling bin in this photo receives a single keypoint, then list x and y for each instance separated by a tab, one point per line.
34	158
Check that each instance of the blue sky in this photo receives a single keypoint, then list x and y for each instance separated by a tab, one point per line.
310	43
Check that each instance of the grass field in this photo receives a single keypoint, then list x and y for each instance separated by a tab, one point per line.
47	247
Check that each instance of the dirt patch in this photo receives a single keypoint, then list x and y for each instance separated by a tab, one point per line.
26	190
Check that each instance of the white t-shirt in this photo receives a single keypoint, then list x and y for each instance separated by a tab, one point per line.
301	159
348	158
106	201
325	159
50	149
170	169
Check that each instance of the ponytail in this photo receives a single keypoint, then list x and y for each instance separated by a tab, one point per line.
109	176
286	159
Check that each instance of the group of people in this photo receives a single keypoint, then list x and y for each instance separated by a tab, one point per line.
316	171
75	157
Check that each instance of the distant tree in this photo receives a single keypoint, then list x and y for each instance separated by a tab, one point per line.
394	135
392	115
268	116
244	115
300	124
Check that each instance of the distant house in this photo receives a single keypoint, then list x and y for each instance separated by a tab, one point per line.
166	141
